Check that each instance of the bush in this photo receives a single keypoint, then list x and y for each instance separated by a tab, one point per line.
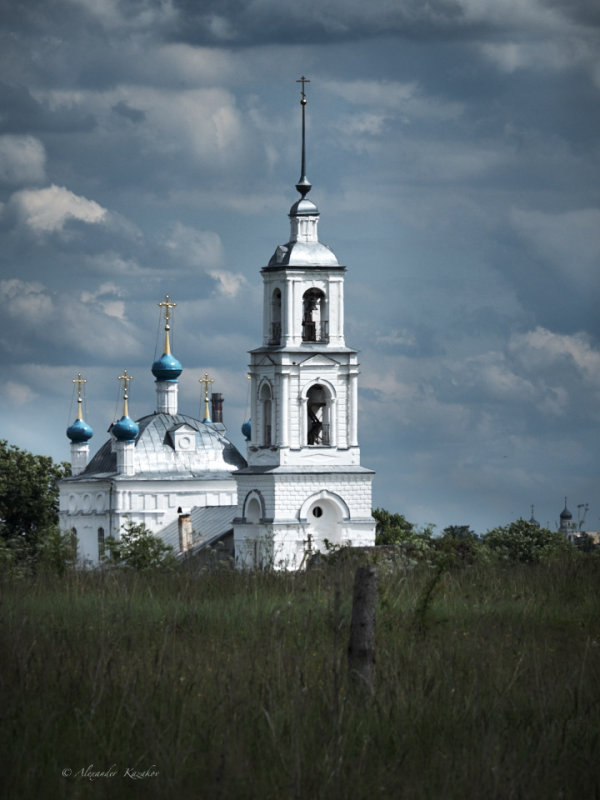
525	542
139	549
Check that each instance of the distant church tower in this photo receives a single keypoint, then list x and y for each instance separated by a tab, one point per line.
304	483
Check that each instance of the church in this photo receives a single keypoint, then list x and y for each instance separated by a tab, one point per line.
301	488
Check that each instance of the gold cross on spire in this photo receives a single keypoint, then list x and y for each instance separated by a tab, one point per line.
303	80
207	382
125	378
79	381
167	305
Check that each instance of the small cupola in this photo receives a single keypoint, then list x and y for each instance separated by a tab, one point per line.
167	368
126	429
79	433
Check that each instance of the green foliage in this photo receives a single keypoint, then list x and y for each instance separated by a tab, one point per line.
524	542
28	499
396	529
139	549
462	532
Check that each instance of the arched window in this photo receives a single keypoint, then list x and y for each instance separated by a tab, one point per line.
253	510
318	409
315	326
275	332
266	405
100	542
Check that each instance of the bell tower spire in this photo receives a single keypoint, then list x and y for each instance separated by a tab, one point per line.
304	477
304	185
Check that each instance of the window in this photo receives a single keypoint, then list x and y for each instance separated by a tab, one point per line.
100	542
314	322
275	332
266	404
318	409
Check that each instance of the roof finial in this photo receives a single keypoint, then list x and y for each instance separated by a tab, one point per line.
125	378
303	185
207	382
167	305
79	381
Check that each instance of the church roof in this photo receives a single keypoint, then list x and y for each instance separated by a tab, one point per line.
206	451
303	254
208	524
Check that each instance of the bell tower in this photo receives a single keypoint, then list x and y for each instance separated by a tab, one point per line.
304	482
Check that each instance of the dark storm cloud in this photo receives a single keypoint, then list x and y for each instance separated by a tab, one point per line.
20	111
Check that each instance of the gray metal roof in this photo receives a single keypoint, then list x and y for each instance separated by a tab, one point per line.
305	254
155	456
208	524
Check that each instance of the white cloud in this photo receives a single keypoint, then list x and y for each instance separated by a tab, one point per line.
542	348
228	283
18	393
27	301
22	160
194	248
47	210
405	100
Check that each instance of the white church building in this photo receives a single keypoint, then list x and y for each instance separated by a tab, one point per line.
302	486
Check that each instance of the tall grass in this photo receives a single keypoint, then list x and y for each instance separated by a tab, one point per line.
234	685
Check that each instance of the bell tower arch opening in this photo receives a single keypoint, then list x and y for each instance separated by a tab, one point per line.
319	416
315	324
275	330
266	416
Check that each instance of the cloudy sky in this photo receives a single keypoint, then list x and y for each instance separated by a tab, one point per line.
152	146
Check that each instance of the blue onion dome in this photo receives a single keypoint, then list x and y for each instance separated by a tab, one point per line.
79	432
247	430
565	513
166	368
125	430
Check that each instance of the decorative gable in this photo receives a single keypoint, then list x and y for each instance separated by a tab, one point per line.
183	438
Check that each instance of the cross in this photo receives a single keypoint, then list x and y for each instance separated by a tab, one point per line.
206	381
125	378
167	305
79	381
303	80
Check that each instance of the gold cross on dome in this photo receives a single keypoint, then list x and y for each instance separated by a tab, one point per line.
207	382
303	81
79	381
167	305
125	378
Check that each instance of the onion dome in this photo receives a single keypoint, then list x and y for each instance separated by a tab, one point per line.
126	429
166	368
79	432
565	513
247	430
533	520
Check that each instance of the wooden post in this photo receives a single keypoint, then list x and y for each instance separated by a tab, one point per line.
361	648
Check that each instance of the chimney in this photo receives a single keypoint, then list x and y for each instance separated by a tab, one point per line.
184	524
217	407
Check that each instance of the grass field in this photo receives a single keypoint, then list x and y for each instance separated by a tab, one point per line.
231	685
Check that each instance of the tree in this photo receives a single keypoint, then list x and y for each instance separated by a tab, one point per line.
28	498
392	528
459	532
526	542
139	549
